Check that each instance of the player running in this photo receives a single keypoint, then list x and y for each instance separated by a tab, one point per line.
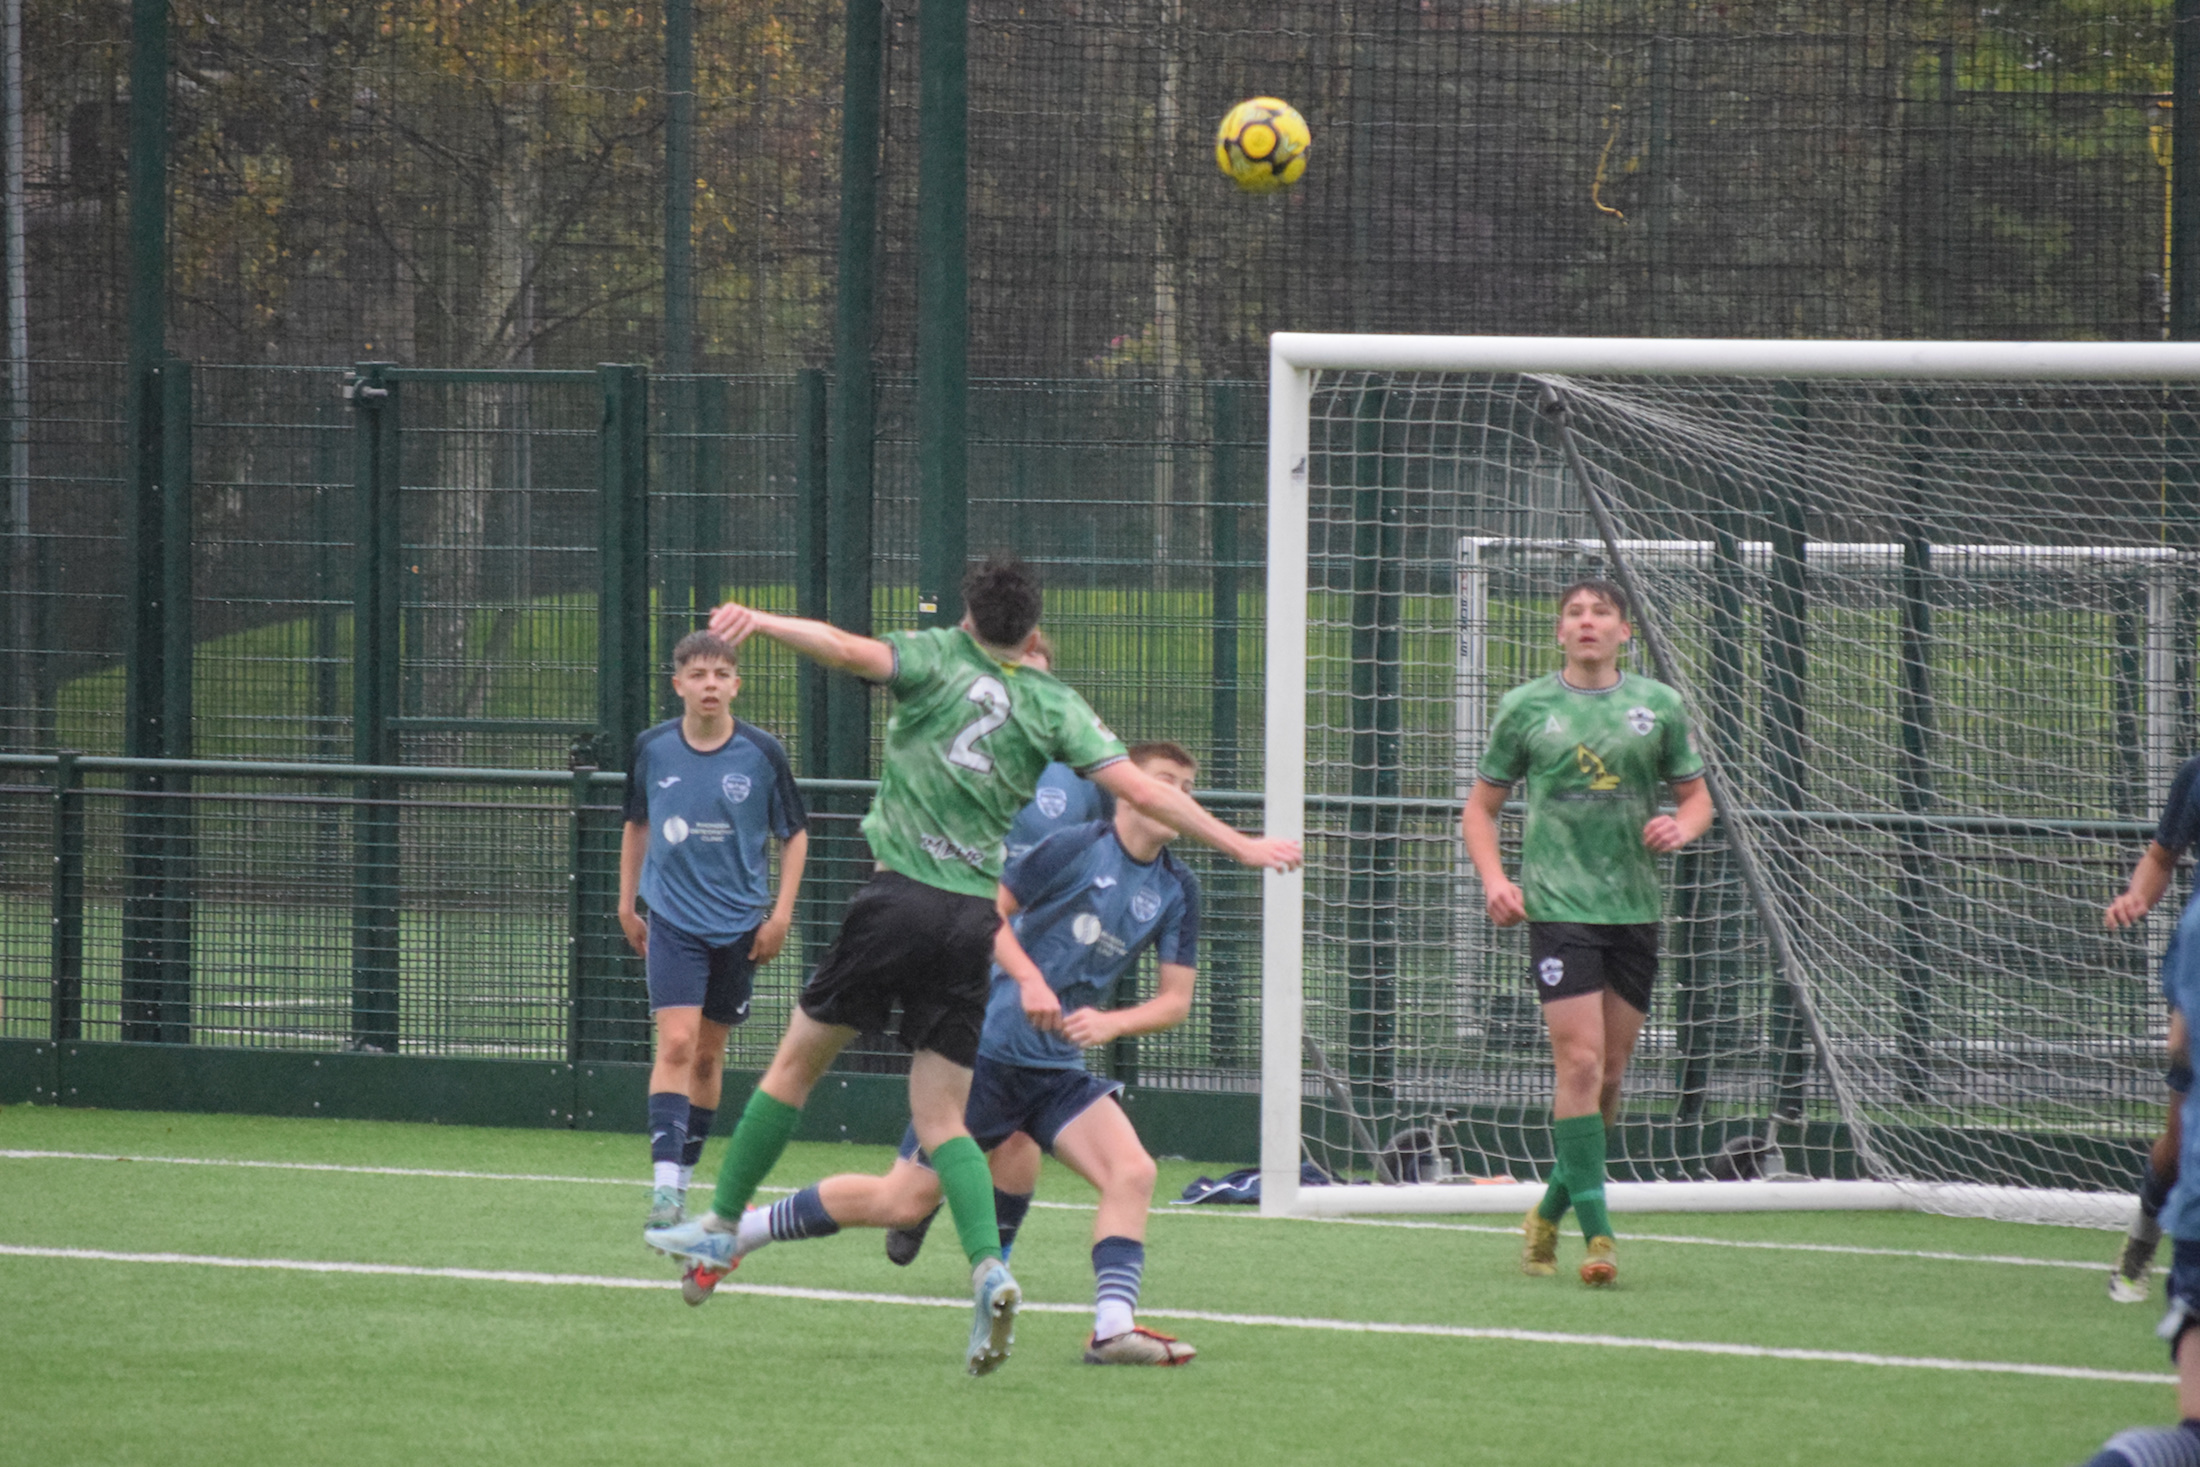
705	792
1595	746
2173	836
1079	910
971	730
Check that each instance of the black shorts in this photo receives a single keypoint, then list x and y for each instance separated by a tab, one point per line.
927	950
1570	958
685	971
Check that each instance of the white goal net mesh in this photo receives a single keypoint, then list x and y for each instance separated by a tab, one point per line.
1938	638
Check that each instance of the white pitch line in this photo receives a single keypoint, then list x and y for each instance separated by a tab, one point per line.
1205	1316
1212	1210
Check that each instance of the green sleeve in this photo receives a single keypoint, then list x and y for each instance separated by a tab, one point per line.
1506	758
917	662
1081	740
1681	759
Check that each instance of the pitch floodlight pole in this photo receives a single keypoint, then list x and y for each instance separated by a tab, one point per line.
1555	405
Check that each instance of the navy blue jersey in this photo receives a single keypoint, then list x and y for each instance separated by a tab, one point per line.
1088	911
1064	798
2180	823
709	816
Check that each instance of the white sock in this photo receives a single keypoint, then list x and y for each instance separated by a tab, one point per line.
687	1178
666	1174
1112	1317
755	1229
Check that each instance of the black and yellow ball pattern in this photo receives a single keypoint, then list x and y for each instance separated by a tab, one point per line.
1262	144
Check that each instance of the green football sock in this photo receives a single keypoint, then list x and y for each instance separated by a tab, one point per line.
1580	1144
757	1141
967	1184
1556	1199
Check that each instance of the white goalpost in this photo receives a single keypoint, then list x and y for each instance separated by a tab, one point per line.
1934	608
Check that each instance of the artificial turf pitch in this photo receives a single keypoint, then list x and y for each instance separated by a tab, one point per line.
180	1362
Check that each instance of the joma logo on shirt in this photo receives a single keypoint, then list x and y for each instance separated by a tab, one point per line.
1593	767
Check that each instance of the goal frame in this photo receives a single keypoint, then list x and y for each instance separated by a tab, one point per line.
1293	359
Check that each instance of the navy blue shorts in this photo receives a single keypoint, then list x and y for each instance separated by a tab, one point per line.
2184	1293
686	972
1005	1099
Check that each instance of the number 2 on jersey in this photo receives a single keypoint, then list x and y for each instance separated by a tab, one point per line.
989	694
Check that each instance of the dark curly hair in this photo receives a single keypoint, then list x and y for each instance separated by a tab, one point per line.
1003	599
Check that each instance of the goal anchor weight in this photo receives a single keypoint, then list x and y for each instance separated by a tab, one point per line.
1553	404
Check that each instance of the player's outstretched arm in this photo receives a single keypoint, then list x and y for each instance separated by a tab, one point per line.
1042	1009
1690	818
1478	828
1183	814
794	854
866	657
2149	879
1170	1006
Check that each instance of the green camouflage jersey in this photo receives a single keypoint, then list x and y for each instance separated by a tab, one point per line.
1596	762
964	750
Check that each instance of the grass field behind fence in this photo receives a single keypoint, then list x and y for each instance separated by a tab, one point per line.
546	1356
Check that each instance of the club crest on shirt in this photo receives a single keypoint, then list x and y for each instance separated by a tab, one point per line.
1145	905
1641	720
1051	801
736	787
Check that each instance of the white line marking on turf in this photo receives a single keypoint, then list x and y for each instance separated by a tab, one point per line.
1854	1250
1205	1316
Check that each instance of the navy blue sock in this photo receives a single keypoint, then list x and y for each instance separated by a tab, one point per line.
801	1216
2154	1189
698	1131
2151	1446
1118	1268
1008	1210
668	1123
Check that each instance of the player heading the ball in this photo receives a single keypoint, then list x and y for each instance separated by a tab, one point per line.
1596	746
971	731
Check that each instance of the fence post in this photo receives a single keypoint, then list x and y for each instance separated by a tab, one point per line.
1786	666
1378	569
1225	1018
622	603
156	979
811	531
578	1015
65	1009
376	602
943	309
855	321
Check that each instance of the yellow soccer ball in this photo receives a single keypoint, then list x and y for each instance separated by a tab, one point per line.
1262	145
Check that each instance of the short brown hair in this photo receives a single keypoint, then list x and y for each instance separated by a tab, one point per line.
1595	586
704	644
1003	599
1175	753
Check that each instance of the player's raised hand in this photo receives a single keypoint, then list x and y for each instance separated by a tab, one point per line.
1663	833
1507	908
1272	855
734	622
